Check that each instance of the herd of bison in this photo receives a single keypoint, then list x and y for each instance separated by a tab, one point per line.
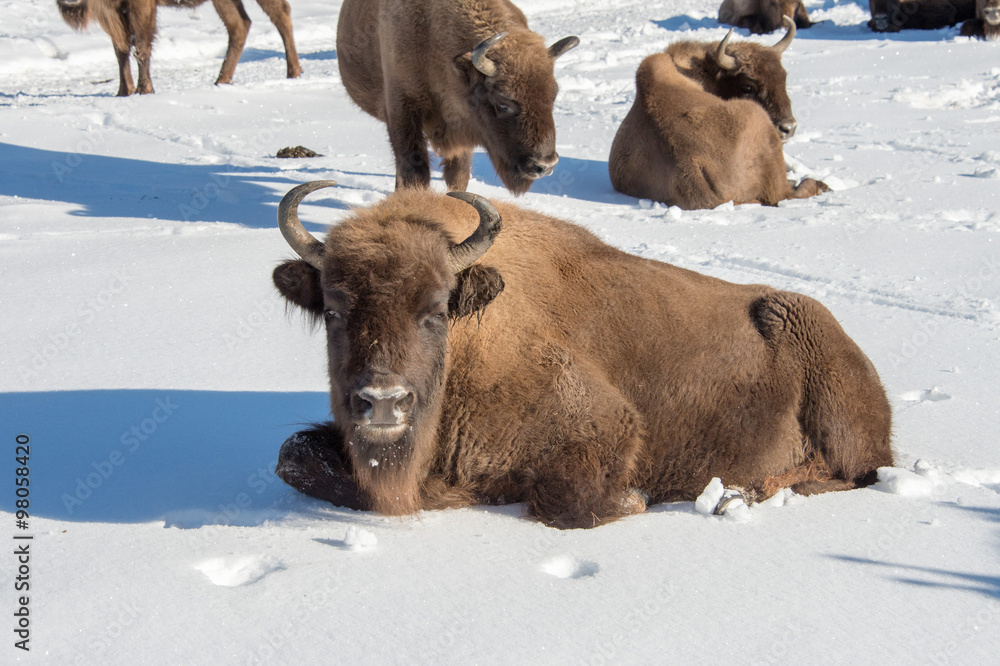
483	353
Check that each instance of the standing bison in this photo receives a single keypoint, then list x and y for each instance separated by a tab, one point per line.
763	16
707	127
456	74
131	24
539	365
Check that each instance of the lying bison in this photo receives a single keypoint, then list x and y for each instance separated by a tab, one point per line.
986	24
132	24
457	74
540	365
763	16
707	127
896	15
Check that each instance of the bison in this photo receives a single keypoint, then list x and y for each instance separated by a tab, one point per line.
132	24
707	127
896	15
541	365
763	16
986	24
456	74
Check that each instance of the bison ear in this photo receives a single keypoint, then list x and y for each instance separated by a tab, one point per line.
477	287
298	282
563	45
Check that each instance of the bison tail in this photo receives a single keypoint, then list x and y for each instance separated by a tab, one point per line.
76	13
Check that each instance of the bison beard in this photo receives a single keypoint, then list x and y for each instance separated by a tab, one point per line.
578	379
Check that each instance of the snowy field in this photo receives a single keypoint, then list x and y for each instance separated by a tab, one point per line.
149	361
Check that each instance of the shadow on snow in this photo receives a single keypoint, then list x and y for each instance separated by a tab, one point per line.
189	458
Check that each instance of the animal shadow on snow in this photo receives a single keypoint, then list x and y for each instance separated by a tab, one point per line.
583	179
189	458
934	577
112	187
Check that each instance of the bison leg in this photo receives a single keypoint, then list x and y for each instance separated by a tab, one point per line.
310	461
237	23
409	144
586	477
281	16
142	26
844	414
457	171
116	24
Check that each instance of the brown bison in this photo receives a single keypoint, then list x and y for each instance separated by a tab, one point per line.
132	24
763	16
456	74
986	24
707	127
896	15
540	365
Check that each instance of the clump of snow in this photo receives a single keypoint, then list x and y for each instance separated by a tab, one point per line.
709	498
234	572
901	482
564	566
358	538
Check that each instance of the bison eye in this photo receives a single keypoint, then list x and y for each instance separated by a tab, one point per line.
331	315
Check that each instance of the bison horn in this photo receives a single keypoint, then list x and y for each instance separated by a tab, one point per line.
789	35
304	243
563	45
724	60
465	253
479	59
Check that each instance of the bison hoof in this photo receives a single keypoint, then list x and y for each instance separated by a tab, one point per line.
634	501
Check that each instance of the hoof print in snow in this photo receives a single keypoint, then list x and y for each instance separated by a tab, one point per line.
233	572
933	394
564	566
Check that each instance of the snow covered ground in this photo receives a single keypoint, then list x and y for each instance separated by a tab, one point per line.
149	361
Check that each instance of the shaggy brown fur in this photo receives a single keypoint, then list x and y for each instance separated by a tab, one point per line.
698	135
987	22
896	15
763	16
407	62
131	24
591	382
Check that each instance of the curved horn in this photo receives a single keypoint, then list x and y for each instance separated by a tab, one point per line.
563	45
304	243
465	253
724	60
479	59
789	35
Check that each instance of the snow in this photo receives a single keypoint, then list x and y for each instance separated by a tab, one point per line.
148	359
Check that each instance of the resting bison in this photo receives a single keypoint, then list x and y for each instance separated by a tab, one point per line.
987	21
457	74
707	126
132	24
896	15
763	16
540	365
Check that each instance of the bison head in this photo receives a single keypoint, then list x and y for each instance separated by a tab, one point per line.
751	71
385	284
990	11
512	90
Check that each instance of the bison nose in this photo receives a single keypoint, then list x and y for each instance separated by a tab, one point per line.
787	129
382	406
537	167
